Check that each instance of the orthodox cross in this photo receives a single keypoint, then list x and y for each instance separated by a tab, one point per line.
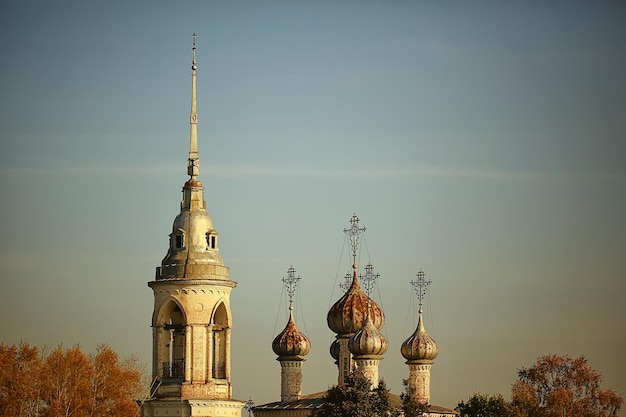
420	286
369	279
249	406
291	282
353	233
347	281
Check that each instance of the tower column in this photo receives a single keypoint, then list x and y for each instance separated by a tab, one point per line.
290	380
419	380
198	352
420	350
191	299
369	369
291	346
346	362
209	354
188	353
227	341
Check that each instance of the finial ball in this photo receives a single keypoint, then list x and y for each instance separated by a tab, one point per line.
194	67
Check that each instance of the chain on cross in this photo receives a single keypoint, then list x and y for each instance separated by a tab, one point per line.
420	286
291	282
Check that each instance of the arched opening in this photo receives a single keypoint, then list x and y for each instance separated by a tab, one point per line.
173	348
220	326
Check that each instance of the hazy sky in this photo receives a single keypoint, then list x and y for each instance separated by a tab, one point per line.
482	142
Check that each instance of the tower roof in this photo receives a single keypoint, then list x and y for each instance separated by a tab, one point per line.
368	341
420	346
348	314
291	343
193	251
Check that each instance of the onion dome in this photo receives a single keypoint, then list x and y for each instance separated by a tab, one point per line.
368	341
291	343
334	350
420	346
348	314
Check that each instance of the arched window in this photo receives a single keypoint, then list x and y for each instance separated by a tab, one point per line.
211	240
220	325
173	355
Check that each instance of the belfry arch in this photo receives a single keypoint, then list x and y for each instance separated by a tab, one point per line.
169	327
220	339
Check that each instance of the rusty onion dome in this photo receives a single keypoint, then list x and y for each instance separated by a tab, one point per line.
348	314
334	349
291	343
420	346
368	341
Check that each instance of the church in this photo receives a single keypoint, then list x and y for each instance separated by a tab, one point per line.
192	322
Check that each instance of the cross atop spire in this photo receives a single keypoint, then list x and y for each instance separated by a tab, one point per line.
291	282
420	286
193	62
354	233
193	163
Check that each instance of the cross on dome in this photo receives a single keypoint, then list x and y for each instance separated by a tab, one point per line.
421	286
369	279
291	282
193	62
347	281
354	233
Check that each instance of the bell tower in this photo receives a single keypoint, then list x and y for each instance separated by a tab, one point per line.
192	320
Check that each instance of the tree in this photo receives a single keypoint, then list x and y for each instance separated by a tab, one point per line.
68	376
558	386
20	367
356	399
67	382
115	384
482	405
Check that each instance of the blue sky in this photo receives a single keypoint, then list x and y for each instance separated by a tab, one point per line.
483	143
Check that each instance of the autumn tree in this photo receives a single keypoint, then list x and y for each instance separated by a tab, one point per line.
67	382
483	405
20	387
356	398
558	386
115	384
